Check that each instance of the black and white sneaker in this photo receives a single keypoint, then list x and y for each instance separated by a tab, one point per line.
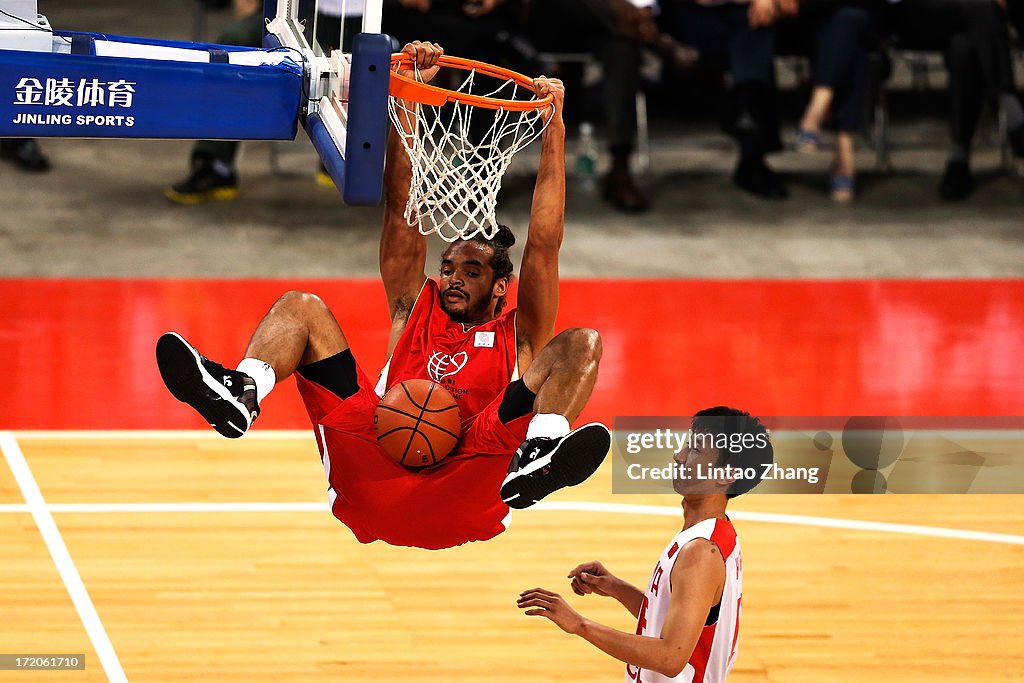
225	398
541	466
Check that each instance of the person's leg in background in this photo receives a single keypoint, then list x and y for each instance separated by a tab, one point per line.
620	60
840	82
966	93
725	41
212	175
973	36
980	70
596	28
756	124
987	25
931	25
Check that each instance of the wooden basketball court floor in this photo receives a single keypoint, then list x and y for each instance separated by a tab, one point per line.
164	553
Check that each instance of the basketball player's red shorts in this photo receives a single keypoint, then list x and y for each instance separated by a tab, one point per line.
448	504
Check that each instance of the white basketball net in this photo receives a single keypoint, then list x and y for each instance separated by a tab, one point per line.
455	180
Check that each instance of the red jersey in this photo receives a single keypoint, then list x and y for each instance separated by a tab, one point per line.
456	500
474	365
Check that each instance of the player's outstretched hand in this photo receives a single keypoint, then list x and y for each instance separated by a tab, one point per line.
539	602
592	577
545	86
425	56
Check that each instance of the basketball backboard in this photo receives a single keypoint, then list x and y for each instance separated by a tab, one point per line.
346	90
58	83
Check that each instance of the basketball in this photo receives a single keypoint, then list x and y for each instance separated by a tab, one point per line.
417	423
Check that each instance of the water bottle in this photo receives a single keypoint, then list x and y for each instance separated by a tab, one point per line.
586	160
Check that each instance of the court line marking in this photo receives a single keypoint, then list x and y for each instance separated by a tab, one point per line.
561	506
36	504
797	520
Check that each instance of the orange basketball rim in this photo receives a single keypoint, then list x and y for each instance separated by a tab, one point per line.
407	88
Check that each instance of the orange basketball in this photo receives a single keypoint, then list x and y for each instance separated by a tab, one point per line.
417	422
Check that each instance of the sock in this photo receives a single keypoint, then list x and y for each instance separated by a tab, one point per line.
1012	108
261	372
224	170
548	425
959	152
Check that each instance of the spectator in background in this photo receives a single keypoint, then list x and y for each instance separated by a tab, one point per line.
474	29
974	37
616	32
836	36
739	37
213	175
596	27
25	154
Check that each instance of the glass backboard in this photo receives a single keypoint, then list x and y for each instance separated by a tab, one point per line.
347	78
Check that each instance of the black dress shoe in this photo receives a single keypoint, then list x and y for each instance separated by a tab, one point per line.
25	154
957	181
754	176
620	191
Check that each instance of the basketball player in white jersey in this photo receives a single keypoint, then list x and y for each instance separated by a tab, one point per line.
688	617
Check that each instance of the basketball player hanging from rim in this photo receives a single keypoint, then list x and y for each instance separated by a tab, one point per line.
517	383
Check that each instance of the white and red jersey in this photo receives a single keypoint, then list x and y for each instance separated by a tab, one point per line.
715	652
474	365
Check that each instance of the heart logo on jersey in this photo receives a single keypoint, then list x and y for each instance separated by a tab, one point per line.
443	365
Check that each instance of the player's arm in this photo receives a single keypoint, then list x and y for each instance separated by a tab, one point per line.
697	576
593	577
538	274
403	250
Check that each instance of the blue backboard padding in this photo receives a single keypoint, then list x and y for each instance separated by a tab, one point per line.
324	145
159	42
116	97
367	119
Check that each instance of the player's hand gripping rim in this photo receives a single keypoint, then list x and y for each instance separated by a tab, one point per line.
425	56
545	86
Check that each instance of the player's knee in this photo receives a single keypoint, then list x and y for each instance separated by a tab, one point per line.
296	300
584	341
